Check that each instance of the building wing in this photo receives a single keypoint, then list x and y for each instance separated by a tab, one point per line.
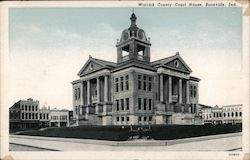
94	64
174	62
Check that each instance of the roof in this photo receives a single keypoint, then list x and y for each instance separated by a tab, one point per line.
102	63
204	106
163	61
232	105
105	63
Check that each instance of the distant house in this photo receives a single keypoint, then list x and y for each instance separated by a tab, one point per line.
232	113
227	114
26	115
59	118
206	114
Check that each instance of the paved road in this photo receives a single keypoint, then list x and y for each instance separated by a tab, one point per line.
226	142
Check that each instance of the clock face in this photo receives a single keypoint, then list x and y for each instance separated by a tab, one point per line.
140	34
125	36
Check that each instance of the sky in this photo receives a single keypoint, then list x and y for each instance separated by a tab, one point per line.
48	46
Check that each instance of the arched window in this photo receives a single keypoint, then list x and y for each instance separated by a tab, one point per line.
236	114
240	114
232	114
228	114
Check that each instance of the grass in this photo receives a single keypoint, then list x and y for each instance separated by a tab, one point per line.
119	133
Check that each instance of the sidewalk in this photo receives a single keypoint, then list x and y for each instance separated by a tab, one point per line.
230	141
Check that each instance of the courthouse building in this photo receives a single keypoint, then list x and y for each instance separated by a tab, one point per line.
135	90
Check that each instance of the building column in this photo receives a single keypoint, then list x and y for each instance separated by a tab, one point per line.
187	92
88	99
161	88
98	89
105	94
169	89
88	92
180	90
105	88
80	112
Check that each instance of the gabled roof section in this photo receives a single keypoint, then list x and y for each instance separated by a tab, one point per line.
169	62
94	64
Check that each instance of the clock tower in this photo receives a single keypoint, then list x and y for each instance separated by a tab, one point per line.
133	46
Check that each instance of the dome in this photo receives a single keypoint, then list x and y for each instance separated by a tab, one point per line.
133	31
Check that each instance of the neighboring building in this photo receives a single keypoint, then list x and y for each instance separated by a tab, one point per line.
216	115
232	114
135	90
228	114
44	117
59	118
206	113
24	114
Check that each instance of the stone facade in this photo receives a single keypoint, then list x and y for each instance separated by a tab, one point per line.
135	90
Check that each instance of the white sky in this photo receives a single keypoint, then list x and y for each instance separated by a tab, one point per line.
49	46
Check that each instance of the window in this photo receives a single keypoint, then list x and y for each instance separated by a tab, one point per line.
47	116
127	119
117	85
224	114
232	114
26	108
22	107
139	118
26	116
240	114
122	104
145	119
144	82
76	109
22	115
127	103
139	82
75	94
191	91
149	104
149	83
44	116
139	103
29	108
228	114
236	114
33	108
29	115
194	108
145	104
150	118
117	105
127	82
122	119
36	108
117	119
79	93
40	115
194	91
36	115
121	83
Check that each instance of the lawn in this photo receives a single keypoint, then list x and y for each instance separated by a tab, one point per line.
122	133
